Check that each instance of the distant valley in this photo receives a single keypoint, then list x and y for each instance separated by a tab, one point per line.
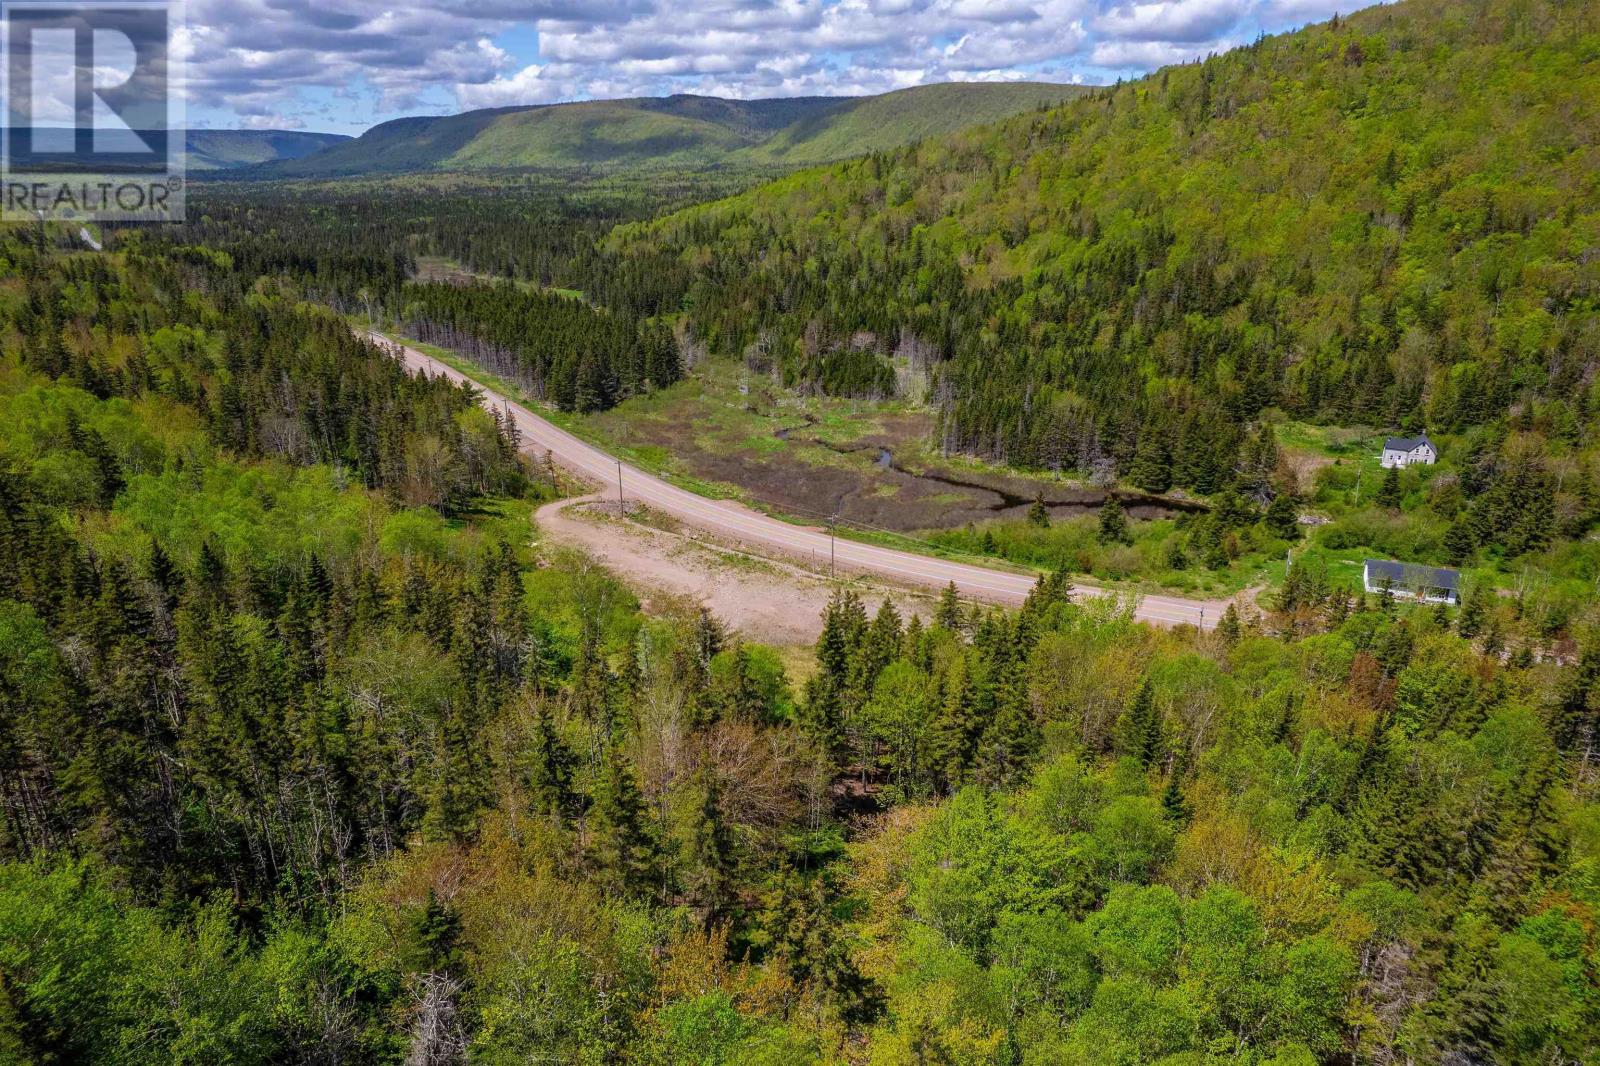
211	150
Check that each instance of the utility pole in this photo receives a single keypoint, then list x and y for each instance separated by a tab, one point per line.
622	507
832	553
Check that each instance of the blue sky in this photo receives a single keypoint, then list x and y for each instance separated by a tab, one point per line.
342	65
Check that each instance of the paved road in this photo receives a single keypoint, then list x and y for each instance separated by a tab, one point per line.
752	529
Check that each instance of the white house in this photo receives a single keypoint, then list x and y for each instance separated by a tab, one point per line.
1431	584
1409	451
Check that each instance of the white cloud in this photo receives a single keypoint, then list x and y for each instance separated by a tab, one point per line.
269	122
260	59
1172	21
526	86
1149	55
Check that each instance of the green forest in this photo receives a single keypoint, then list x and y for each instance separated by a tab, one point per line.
1385	220
310	755
313	750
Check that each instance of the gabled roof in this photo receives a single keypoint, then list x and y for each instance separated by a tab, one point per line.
1407	444
1413	575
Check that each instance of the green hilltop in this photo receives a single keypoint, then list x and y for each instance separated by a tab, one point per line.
1388	220
677	131
879	123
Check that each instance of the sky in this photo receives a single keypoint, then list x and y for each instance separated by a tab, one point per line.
343	65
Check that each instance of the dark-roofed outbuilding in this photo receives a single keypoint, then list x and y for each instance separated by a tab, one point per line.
1432	584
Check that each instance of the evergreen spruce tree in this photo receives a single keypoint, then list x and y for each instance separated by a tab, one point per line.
709	637
621	846
1460	541
1151	469
1389	493
1473	612
1173	802
803	935
735	694
1038	513
1386	597
1494	639
1339	607
1462	1017
879	647
707	847
1229	628
1283	518
548	766
1573	718
954	730
948	614
591	681
165	577
436	931
1113	522
460	784
911	644
1140	727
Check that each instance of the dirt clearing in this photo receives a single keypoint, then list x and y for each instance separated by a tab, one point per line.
764	600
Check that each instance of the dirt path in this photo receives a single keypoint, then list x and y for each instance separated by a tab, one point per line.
768	536
764	600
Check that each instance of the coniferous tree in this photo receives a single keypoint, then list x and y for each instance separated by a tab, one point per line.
954	730
1463	1015
1038	513
621	846
1573	718
948	614
1011	739
460	787
1140	727
437	934
803	934
1229	628
1460	541
1113	522
548	766
1283	518
707	847
1389	493
878	648
1173	802
1151	469
1473	613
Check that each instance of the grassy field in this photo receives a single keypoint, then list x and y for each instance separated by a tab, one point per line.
443	269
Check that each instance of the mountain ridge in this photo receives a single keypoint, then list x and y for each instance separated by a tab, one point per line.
1317	222
677	130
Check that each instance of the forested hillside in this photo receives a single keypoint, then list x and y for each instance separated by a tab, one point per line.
358	250
1388	219
310	754
313	750
673	131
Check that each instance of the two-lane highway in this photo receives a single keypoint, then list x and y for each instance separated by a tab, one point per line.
753	530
